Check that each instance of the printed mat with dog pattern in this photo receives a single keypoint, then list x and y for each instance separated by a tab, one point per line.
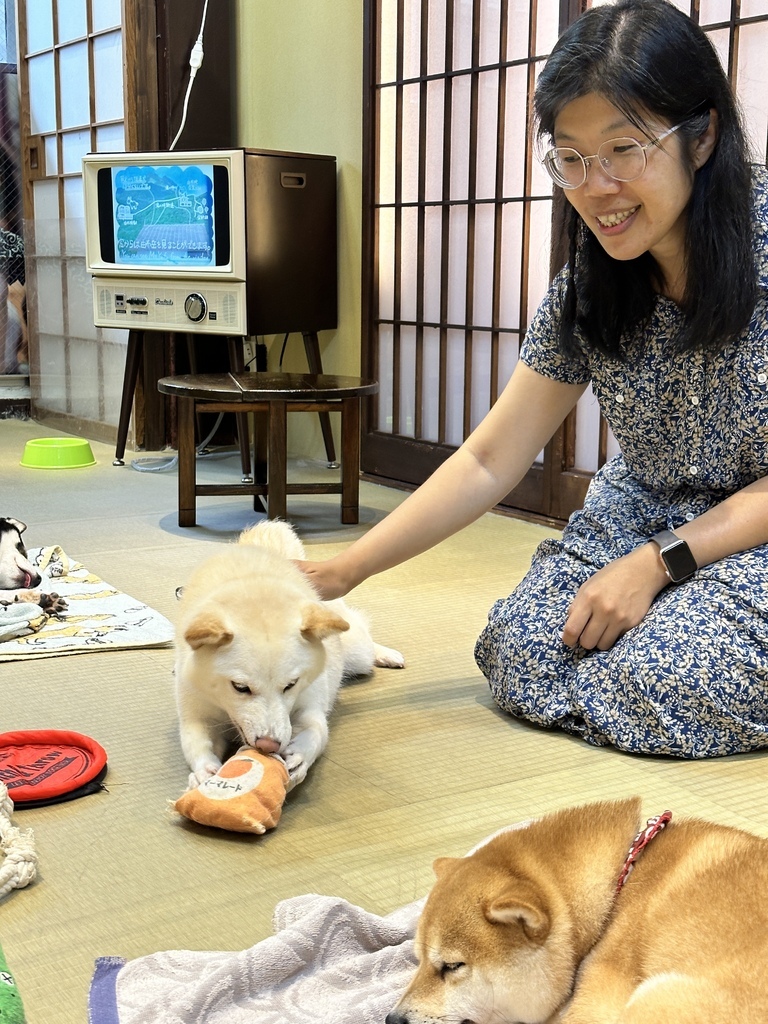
97	617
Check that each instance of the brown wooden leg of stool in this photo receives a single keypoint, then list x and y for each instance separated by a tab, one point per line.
260	456
237	365
350	460
186	425
277	465
314	362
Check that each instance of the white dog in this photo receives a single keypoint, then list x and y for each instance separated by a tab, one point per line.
259	658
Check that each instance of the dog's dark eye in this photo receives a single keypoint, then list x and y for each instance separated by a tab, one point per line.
450	968
290	685
240	687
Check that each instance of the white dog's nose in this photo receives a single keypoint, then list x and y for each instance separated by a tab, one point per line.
266	745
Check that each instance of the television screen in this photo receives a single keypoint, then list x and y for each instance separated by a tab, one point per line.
164	215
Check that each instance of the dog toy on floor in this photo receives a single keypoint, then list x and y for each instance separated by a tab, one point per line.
19	866
245	795
11	1009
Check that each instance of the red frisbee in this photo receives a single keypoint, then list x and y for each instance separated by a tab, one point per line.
46	766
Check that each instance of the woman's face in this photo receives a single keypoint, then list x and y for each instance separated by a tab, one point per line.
630	218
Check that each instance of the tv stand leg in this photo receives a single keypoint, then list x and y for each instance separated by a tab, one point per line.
130	376
312	348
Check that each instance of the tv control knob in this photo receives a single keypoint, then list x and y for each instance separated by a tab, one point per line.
195	307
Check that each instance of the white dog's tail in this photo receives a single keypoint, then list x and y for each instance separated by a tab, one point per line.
275	535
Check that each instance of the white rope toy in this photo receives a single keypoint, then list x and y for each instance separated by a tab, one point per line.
20	865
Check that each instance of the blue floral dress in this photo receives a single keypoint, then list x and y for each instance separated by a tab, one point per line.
691	679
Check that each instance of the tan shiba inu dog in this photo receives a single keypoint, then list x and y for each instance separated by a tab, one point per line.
260	658
535	926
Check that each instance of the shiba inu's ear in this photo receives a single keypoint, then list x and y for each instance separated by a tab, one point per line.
21	527
442	864
521	905
207	631
318	622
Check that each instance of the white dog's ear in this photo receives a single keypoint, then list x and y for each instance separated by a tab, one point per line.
21	527
523	907
207	631
318	622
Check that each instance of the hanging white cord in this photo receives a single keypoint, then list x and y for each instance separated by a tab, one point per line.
20	865
195	61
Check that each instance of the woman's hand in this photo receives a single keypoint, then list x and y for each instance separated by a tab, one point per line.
328	578
615	599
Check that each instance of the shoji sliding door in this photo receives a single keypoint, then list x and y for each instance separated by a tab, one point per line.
71	74
459	222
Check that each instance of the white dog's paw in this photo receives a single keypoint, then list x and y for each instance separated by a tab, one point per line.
387	657
297	766
202	773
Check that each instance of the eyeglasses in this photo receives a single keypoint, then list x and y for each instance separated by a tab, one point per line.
622	159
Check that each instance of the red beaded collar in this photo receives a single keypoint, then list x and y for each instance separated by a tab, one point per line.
652	829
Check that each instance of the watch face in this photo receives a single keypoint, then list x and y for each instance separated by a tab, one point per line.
679	561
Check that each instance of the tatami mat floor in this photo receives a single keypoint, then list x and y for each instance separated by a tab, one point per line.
420	762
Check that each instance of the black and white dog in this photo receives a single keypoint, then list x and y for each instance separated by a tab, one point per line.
19	579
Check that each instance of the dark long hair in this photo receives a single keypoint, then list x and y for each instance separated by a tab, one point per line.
651	61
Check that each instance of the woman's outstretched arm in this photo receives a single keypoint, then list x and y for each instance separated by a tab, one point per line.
492	461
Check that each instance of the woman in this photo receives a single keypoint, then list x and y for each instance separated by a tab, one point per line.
646	625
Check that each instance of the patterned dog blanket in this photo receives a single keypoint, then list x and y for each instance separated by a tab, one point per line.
327	961
97	617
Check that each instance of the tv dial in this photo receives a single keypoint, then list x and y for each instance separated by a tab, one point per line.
195	307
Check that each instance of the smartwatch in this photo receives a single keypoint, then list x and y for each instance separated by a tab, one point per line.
679	563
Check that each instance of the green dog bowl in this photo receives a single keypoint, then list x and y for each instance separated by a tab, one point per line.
57	453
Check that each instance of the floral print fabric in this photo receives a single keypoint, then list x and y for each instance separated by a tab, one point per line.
691	680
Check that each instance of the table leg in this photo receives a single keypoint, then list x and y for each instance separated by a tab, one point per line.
186	428
277	463
350	460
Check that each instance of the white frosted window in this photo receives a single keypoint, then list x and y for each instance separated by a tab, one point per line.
409	162
106	14
518	20
74	87
433	235
538	254
435	141
482	313
454	399
72	20
457	265
42	94
712	11
50	316
490	25
386	383
411	38
481	376
388	33
752	84
430	411
387	148
45	199
74	146
436	37
39	25
487	134
80	300
754	8
511	264
51	155
74	217
460	123
108	76
110	138
409	281
462	33
386	263
407	381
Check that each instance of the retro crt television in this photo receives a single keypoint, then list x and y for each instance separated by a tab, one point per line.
229	241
